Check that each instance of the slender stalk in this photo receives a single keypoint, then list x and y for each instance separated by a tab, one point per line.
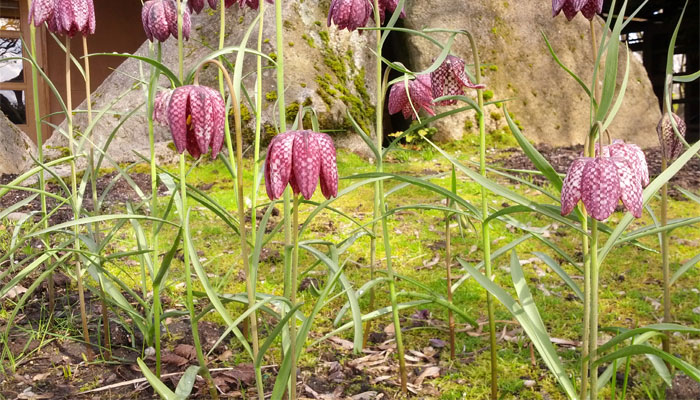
593	341
95	205
154	207
258	121
485	234
183	217
293	299
448	266
188	283
40	150
585	243
665	258
379	190
76	211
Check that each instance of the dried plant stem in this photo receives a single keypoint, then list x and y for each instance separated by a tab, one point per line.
485	234
95	206
76	210
40	150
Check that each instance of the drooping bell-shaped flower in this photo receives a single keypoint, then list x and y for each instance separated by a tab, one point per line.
159	18
589	8
301	159
450	79
671	145
388	6
601	183
349	14
196	116
41	11
421	96
254	4
65	17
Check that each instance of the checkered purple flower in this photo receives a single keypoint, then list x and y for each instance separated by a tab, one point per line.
41	11
632	154
388	6
196	115
159	18
671	144
601	183
450	79
421	96
589	8
301	159
64	17
196	6
160	106
349	14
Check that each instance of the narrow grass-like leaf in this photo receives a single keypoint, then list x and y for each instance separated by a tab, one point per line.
551	263
629	351
533	154
684	268
158	386
649	328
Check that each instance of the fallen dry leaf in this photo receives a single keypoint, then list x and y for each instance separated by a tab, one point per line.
430	372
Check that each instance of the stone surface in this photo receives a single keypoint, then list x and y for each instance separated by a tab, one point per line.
16	148
323	69
549	104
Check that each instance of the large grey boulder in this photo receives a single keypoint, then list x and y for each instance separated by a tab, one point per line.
16	148
324	68
547	102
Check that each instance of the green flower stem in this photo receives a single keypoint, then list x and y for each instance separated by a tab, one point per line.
258	122
593	341
76	210
379	192
293	299
448	267
95	205
153	84
586	304
183	218
40	149
665	258
485	234
188	283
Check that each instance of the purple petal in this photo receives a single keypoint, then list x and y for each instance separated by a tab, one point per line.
195	6
177	116
634	155
349	14
40	11
600	188
278	164
571	189
329	166
160	106
306	162
630	187
201	118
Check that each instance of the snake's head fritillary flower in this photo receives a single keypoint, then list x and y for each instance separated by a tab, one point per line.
301	159
671	144
196	115
388	6
254	4
601	183
589	8
421	96
450	78
70	17
41	11
159	18
349	14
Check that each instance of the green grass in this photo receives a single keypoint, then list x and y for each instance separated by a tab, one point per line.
630	277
